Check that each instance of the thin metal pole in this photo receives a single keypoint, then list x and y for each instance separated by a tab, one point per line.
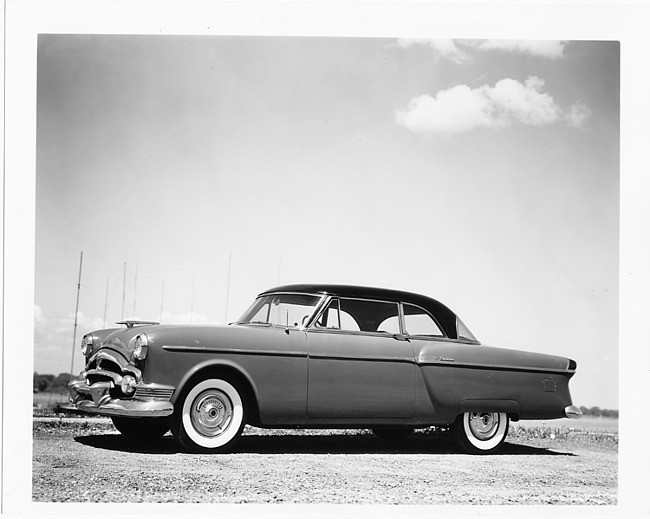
192	302
135	289
76	311
123	291
105	303
228	285
162	301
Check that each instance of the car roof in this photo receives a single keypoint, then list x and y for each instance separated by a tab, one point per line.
445	316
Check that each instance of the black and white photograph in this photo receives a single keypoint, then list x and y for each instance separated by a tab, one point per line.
327	259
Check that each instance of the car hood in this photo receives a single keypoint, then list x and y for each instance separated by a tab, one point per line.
118	340
122	340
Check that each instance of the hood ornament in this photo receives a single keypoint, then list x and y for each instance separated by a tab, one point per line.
131	324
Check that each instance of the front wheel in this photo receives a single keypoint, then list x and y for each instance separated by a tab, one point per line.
480	433
210	417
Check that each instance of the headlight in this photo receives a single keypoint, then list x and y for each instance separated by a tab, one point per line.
128	384
86	344
141	345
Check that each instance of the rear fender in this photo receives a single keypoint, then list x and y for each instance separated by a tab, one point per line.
511	407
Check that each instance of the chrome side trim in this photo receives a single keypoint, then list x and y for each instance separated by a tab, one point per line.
361	358
234	351
432	361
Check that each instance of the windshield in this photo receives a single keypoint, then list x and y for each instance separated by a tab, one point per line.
291	310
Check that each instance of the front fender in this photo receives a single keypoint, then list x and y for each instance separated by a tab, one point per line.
213	364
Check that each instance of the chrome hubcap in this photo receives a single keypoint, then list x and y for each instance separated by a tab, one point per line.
483	425
211	413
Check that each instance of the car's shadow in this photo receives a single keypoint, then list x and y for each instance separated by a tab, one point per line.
309	444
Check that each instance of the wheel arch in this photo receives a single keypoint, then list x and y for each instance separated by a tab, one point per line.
221	369
511	407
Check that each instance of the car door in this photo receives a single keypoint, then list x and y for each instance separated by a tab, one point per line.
361	367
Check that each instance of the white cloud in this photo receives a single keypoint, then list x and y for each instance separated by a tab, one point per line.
551	49
452	111
461	108
442	48
577	115
457	50
523	102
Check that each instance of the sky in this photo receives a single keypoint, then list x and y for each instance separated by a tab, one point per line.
483	173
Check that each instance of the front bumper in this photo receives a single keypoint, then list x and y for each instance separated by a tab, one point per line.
150	400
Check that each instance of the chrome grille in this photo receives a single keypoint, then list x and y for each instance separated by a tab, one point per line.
104	367
108	365
101	375
154	393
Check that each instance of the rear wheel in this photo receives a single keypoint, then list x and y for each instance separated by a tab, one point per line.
393	433
210	416
480	432
141	429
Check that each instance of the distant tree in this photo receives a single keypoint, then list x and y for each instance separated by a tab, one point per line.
60	383
51	383
597	411
42	382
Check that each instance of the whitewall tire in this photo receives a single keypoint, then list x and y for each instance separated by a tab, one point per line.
480	432
210	417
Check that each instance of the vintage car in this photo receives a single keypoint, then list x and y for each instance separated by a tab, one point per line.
318	356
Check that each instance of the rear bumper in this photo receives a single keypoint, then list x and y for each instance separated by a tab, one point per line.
96	399
572	411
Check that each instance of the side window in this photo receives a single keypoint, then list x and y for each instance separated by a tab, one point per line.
390	325
290	310
334	318
330	318
418	322
369	316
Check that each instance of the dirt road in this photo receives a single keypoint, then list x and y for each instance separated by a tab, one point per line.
82	460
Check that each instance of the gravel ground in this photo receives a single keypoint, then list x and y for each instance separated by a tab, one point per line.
86	460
